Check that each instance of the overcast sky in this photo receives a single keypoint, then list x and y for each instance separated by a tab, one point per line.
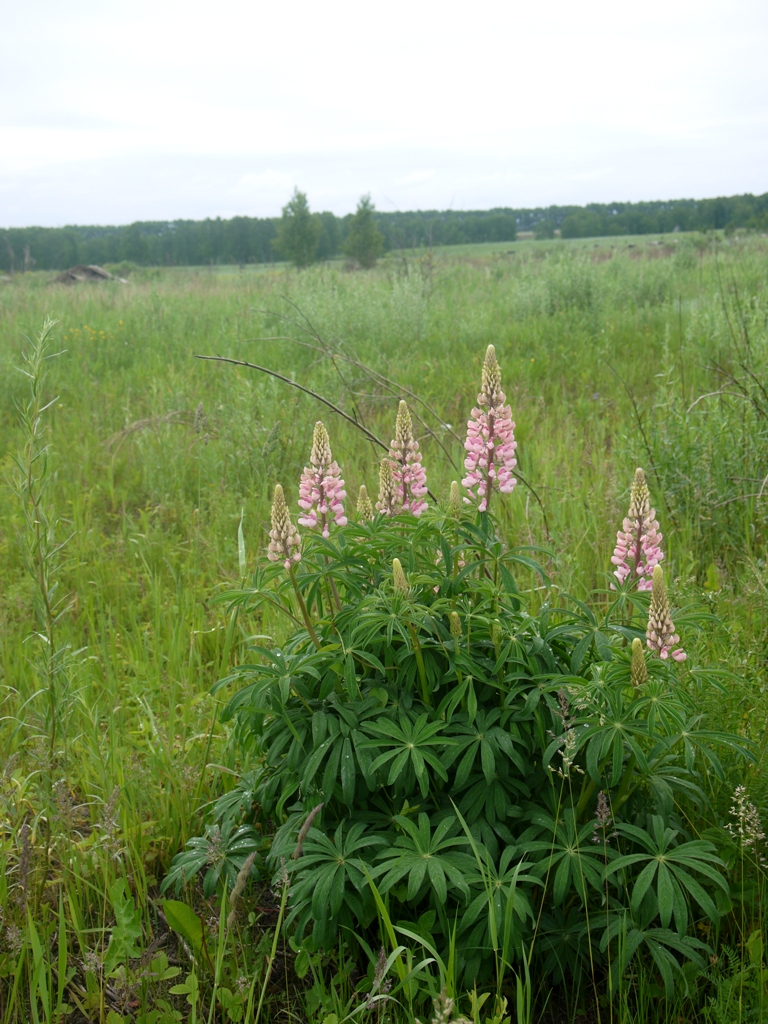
156	109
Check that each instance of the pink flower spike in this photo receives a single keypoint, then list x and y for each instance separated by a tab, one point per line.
409	475
638	542
321	489
284	540
490	442
660	634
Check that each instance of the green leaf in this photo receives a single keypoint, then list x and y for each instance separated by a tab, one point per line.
664	890
242	561
350	678
127	930
189	988
347	772
185	922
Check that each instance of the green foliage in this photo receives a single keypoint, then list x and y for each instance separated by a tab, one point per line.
298	233
438	760
364	243
223	851
185	922
127	931
544	229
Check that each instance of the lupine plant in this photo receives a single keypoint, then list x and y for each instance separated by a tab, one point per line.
506	779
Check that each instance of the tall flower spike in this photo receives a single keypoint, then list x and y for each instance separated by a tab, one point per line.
364	506
490	442
284	540
321	490
389	495
660	635
638	542
638	671
409	474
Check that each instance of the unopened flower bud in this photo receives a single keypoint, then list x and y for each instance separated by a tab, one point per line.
398	576
454	500
490	380
321	446
389	496
364	506
455	625
638	672
284	540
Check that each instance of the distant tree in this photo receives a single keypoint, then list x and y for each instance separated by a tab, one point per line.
299	231
364	243
329	235
544	229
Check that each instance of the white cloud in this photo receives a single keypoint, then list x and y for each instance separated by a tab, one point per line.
167	109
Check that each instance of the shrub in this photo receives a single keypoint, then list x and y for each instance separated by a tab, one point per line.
436	750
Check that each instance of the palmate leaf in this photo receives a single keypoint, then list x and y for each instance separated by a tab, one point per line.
624	940
573	859
666	872
493	802
483	739
339	753
222	851
330	878
423	855
409	743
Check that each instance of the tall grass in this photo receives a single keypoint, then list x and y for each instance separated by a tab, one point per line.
604	361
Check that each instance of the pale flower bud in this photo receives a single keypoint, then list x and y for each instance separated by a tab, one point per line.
455	625
321	446
284	540
490	380
398	576
364	506
389	496
638	672
454	500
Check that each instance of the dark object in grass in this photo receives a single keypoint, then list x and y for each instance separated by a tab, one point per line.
80	272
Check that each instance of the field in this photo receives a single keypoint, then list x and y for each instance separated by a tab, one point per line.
152	500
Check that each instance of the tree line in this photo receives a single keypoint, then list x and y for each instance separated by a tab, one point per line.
242	240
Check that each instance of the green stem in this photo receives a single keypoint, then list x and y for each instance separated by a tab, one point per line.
587	792
303	607
273	951
625	792
425	694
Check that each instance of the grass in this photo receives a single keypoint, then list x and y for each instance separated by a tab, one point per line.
604	347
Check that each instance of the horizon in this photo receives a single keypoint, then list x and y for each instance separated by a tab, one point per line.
491	209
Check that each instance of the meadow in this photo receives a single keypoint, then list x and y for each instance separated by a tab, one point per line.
139	488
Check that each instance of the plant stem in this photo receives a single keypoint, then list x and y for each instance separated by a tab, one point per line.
303	607
425	694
